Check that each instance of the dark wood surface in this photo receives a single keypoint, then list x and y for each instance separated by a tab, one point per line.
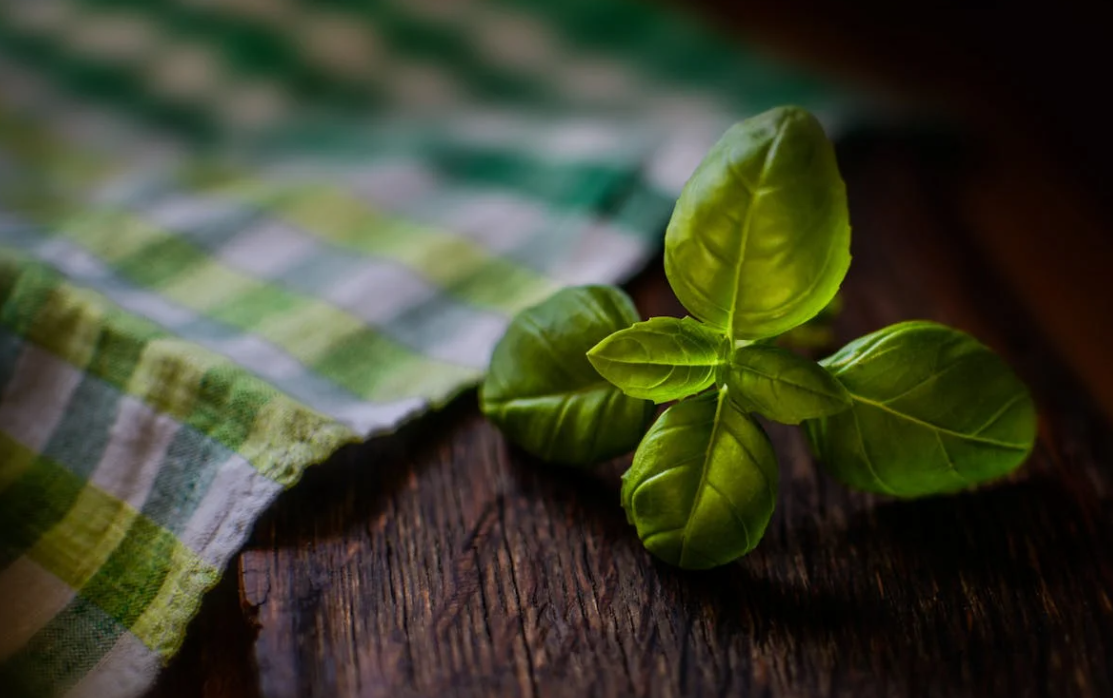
440	562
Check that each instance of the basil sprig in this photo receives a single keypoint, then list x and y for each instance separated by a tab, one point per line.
758	245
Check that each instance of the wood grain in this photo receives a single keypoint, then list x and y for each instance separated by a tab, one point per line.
441	563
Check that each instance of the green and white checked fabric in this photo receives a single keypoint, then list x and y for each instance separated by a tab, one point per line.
236	235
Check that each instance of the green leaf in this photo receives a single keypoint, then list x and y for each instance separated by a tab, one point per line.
661	359
934	411
818	333
543	393
782	386
759	240
703	483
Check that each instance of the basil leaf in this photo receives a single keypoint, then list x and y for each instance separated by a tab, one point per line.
759	240
544	395
783	386
934	411
661	359
703	483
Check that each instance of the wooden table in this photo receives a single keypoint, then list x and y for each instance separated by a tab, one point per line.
442	563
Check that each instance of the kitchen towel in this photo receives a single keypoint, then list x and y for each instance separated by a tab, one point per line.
236	235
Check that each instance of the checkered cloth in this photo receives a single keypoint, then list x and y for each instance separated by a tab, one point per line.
238	234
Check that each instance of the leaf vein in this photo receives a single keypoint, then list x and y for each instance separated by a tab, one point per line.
557	358
747	220
950	461
693	286
1000	412
918	384
685	463
778	379
757	464
605	411
703	476
734	510
866	454
959	435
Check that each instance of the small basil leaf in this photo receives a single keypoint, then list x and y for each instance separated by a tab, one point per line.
782	386
661	359
544	395
759	240
703	483
934	411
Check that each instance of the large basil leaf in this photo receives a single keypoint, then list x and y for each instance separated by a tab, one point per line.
661	359
703	483
544	395
783	386
759	240
934	411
